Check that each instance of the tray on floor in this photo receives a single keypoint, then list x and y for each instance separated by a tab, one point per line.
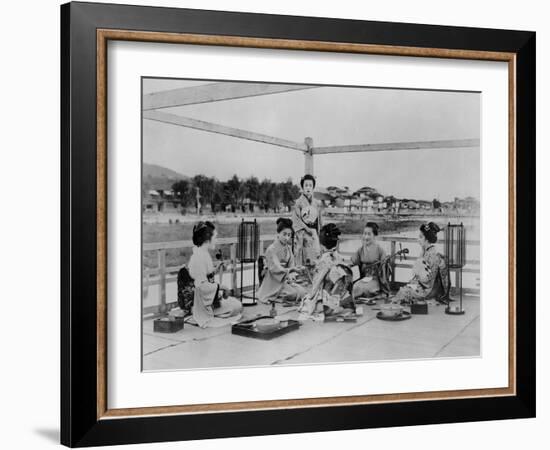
336	318
248	329
403	316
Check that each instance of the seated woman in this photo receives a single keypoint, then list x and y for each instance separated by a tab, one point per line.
331	289
211	305
431	276
278	283
368	258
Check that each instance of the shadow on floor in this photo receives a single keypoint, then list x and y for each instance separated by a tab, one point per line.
50	434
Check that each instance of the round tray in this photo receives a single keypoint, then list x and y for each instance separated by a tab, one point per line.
403	316
453	312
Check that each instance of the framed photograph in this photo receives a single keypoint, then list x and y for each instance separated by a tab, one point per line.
277	224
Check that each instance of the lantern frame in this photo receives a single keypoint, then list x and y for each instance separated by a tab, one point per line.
455	257
248	251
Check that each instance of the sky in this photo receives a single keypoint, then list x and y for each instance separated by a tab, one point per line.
330	116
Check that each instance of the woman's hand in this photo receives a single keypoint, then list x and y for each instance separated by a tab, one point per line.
225	291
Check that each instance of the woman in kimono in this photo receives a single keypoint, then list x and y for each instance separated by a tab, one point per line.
430	273
211	305
331	289
279	282
306	218
368	257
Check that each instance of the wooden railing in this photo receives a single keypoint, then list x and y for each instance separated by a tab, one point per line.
163	274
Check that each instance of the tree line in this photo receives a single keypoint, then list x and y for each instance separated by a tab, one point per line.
235	193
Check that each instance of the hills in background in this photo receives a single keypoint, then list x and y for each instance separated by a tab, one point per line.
158	177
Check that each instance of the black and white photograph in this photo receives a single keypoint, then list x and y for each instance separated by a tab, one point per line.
275	225
293	224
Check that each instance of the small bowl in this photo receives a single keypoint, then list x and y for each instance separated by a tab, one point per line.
391	310
267	325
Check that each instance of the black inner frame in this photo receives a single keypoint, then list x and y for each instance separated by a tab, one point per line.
79	424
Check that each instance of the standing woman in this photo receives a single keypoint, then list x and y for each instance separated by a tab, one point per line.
306	217
429	271
280	273
211	305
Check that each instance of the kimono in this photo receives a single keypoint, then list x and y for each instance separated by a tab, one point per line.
306	220
208	309
331	288
275	285
431	279
366	257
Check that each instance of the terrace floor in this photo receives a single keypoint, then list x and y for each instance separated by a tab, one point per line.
423	336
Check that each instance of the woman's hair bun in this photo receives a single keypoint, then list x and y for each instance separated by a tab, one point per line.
434	227
282	223
329	235
202	232
373	226
430	231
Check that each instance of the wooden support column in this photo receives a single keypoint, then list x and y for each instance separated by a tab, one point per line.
233	258
392	251
162	280
309	156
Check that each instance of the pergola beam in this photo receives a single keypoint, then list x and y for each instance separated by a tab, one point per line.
187	122
214	92
396	146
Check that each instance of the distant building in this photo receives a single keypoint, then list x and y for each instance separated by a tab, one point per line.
324	197
468	204
367	191
423	204
160	200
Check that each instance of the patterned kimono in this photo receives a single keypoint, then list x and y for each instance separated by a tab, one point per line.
364	257
306	220
431	279
275	285
209	310
331	288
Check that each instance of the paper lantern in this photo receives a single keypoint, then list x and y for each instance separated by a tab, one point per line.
455	246
248	241
248	250
455	255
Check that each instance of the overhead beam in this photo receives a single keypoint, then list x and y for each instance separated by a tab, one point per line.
396	146
187	122
214	92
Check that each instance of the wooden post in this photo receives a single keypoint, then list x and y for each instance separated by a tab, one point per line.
392	251
309	156
233	258
162	279
198	200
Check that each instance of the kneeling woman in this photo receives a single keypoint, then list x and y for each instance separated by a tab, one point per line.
331	289
431	276
280	273
368	257
211	307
